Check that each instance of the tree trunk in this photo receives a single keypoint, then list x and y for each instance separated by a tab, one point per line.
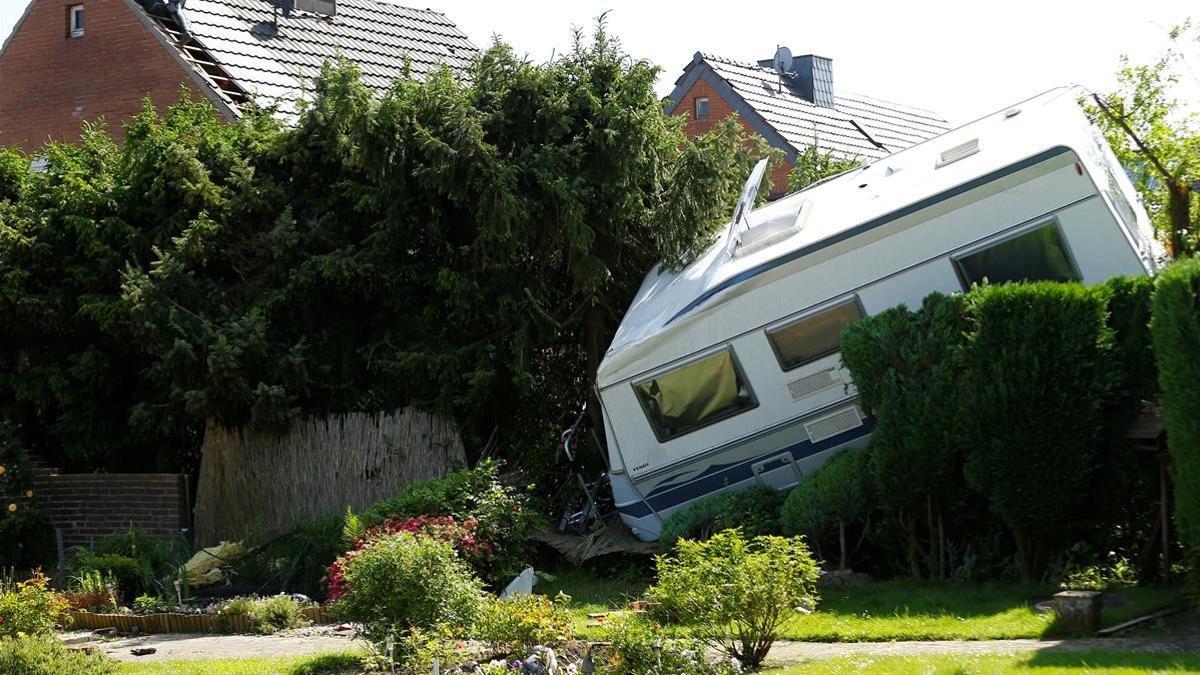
1033	555
596	337
1178	197
842	541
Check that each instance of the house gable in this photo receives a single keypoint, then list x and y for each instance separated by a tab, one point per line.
51	83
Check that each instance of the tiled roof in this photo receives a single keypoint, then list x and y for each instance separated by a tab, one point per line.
801	122
277	65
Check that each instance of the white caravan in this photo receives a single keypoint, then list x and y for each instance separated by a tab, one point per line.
727	373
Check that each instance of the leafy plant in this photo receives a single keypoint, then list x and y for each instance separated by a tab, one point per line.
402	581
23	523
514	626
30	607
149	604
94	591
755	509
47	655
737	593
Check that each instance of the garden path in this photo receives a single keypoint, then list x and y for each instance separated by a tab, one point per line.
187	646
797	652
316	640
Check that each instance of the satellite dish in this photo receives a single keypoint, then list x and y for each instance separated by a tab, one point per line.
783	60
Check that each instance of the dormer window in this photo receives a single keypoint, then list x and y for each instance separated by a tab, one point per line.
75	21
702	108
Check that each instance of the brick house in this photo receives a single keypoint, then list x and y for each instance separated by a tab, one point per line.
71	61
796	109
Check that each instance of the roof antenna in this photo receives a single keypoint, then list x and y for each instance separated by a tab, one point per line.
868	137
782	63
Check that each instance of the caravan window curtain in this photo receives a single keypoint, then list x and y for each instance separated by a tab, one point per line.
694	395
813	336
1037	255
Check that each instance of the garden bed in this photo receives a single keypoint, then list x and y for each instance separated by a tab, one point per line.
178	622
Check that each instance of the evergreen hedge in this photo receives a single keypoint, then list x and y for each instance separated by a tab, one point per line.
1175	328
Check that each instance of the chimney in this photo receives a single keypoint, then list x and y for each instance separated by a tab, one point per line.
812	75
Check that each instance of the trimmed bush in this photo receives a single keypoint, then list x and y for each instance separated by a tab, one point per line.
47	655
1175	327
829	500
754	509
514	626
737	593
405	581
1038	375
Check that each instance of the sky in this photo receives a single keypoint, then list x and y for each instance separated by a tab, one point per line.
960	59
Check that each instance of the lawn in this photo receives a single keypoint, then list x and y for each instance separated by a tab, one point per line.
1045	662
316	664
892	610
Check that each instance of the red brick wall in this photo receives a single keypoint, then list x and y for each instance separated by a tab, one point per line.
90	506
50	84
719	109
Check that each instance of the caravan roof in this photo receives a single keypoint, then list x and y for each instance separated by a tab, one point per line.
781	234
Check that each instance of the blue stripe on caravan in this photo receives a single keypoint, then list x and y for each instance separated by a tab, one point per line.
869	225
672	496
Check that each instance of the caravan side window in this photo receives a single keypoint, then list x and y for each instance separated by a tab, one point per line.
695	395
814	336
1037	255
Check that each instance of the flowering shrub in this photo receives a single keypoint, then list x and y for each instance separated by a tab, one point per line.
401	581
30	607
21	519
513	626
503	518
461	536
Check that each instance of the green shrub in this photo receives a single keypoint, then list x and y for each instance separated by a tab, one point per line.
907	367
239	606
149	604
405	581
30	607
276	613
755	509
1038	376
1175	327
831	499
503	516
737	593
514	626
639	647
47	655
94	591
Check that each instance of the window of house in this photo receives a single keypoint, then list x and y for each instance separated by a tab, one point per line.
813	336
1037	255
75	21
695	395
701	108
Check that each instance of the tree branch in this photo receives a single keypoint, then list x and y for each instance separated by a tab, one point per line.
1136	139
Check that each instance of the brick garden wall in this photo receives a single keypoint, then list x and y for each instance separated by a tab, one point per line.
719	109
88	506
50	84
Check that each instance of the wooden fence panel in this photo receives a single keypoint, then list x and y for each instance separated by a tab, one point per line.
262	482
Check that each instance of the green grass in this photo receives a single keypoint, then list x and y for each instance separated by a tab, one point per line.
590	594
1045	662
316	664
892	610
920	610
